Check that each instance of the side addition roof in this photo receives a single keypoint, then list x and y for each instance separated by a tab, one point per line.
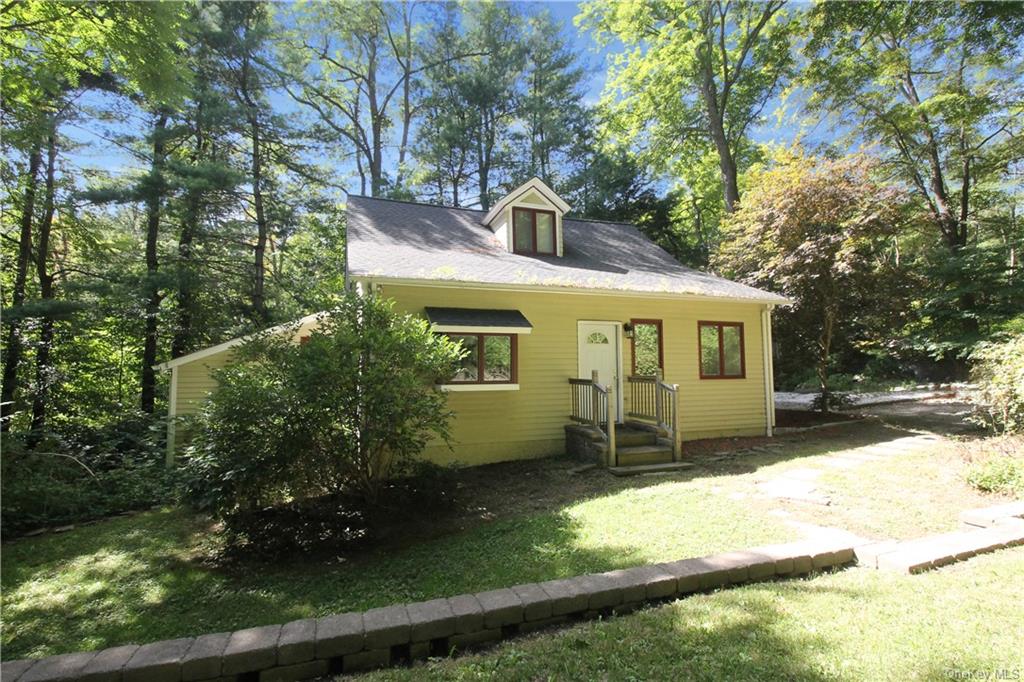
400	240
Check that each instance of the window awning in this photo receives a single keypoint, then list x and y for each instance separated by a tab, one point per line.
478	320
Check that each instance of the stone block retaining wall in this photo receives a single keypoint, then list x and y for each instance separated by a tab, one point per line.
351	642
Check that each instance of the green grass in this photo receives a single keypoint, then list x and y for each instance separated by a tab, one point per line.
145	578
858	624
140	579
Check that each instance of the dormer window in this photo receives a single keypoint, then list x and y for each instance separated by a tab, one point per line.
528	220
533	231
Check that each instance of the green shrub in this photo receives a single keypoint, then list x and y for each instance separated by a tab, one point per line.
998	371
1003	475
337	418
84	474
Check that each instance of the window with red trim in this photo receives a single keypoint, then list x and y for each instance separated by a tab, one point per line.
489	359
721	350
533	231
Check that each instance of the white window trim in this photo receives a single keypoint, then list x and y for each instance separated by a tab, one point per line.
457	388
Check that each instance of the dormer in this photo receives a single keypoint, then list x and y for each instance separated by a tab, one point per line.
528	220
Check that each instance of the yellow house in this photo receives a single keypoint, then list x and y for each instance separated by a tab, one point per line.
573	327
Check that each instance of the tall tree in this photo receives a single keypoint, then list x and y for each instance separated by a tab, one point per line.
693	73
551	98
491	89
814	230
938	86
353	65
49	50
153	189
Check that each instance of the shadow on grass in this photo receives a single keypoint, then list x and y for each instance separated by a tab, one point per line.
136	581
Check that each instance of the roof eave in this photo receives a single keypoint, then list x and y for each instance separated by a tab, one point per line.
770	299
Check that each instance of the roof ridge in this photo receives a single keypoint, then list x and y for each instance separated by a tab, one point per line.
600	220
415	203
582	219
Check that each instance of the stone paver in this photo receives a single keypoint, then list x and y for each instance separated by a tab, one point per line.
469	615
107	665
297	643
203	659
500	607
567	596
536	602
298	671
339	635
251	649
157	662
386	626
431	620
933	551
10	671
989	515
62	667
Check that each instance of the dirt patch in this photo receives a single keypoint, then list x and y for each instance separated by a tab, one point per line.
803	418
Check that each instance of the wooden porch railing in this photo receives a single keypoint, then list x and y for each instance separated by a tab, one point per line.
653	400
594	403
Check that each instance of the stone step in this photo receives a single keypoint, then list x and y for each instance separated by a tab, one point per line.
641	469
644	454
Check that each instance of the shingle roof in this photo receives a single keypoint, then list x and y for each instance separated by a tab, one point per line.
401	240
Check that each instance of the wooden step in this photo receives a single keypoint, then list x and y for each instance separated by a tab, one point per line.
666	467
644	454
626	437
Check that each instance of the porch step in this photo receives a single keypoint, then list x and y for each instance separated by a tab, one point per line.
644	454
628	437
649	468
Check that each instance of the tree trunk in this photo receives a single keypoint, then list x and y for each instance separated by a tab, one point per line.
259	301
13	345
186	298
151	288
824	349
726	162
42	255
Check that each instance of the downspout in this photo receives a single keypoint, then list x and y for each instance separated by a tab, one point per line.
769	369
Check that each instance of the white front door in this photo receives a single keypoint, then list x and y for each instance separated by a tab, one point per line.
599	349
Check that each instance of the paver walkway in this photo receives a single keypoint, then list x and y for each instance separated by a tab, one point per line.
985	530
800	484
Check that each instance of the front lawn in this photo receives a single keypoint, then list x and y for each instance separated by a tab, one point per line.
142	578
148	577
964	621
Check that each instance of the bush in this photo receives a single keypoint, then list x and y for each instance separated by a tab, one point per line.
996	465
998	371
84	474
334	418
1004	475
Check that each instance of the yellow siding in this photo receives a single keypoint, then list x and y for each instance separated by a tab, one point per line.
492	426
195	381
497	425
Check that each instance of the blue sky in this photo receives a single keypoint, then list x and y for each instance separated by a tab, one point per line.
98	151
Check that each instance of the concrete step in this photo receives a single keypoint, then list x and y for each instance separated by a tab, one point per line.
644	454
649	468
